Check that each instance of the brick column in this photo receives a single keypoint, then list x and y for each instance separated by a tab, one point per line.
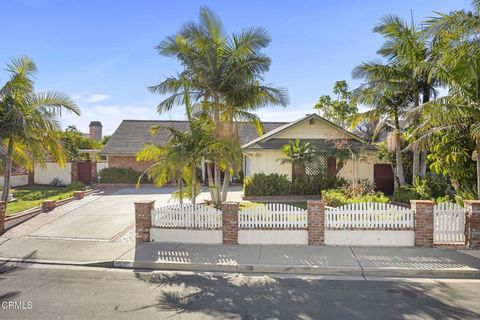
74	172
423	217
472	224
316	223
143	220
2	217
94	172
230	222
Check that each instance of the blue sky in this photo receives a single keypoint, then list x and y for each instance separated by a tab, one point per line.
102	52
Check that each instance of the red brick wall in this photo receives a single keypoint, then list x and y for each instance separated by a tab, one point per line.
128	162
143	211
473	222
423	215
230	222
316	223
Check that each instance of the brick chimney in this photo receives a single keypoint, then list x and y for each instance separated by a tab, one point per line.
96	130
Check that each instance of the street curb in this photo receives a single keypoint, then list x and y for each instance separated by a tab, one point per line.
468	273
102	263
464	273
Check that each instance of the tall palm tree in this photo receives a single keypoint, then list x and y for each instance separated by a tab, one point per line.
457	67
388	91
406	46
224	73
29	131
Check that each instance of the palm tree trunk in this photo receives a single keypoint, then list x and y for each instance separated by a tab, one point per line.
423	163
7	172
211	182
194	185
226	182
398	152
180	189
416	163
217	177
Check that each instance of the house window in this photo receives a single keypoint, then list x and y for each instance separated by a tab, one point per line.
317	166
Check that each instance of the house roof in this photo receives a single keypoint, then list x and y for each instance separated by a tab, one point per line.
270	134
132	135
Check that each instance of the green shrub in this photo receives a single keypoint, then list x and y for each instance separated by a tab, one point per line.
405	193
76	186
278	185
338	197
261	184
120	175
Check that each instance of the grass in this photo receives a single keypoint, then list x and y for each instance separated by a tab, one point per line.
30	197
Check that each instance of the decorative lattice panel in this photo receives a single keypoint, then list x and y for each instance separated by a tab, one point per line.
317	166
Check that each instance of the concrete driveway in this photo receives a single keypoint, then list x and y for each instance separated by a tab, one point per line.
111	215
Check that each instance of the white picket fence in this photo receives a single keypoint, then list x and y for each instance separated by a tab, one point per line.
273	216
369	215
449	223
187	216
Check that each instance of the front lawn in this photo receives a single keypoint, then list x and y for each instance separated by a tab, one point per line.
30	197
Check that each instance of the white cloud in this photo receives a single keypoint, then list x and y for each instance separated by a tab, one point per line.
97	98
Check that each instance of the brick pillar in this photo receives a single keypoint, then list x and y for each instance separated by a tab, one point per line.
2	217
74	172
94	171
472	224
423	216
316	223
230	222
143	220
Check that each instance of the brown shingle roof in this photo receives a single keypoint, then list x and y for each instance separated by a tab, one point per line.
132	135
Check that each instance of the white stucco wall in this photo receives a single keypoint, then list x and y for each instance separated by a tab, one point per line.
186	236
312	130
389	238
273	237
52	170
101	165
267	161
15	181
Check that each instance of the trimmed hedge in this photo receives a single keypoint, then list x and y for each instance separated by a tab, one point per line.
336	198
274	184
120	175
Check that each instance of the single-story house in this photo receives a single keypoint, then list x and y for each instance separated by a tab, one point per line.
262	153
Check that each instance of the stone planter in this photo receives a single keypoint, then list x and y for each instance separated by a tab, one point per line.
79	195
49	205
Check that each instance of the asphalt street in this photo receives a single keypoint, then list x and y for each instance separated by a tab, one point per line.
51	292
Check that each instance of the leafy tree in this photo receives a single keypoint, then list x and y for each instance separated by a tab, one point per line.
224	74
29	132
73	141
341	110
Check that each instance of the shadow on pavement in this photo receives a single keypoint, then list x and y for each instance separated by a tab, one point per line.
7	267
261	297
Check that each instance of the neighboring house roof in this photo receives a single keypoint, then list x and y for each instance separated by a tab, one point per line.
256	143
132	135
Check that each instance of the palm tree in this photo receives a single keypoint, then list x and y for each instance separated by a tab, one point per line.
298	154
406	46
29	131
224	74
388	91
457	67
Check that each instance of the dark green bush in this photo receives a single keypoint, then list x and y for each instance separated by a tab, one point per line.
76	186
405	193
261	184
278	185
338	197
120	175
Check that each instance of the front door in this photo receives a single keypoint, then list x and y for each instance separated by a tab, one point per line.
84	173
383	178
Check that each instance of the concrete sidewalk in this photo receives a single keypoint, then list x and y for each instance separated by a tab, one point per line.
324	260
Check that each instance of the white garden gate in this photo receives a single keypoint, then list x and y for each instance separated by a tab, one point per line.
449	223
